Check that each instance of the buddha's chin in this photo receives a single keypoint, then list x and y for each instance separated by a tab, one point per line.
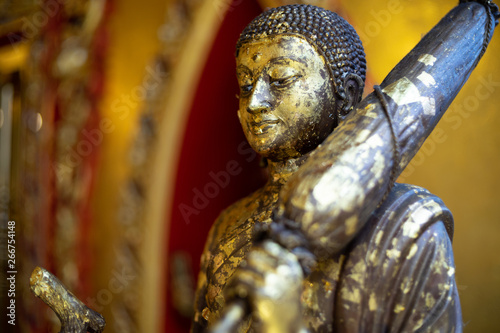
261	149
262	143
274	151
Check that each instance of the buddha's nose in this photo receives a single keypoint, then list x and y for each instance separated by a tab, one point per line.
260	100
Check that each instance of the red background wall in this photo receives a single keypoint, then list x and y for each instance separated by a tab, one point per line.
212	137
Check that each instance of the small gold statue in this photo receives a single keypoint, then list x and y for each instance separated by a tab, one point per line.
344	249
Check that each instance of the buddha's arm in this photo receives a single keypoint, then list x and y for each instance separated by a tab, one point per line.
347	177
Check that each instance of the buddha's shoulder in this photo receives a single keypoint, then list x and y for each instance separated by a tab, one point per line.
409	215
403	256
236	216
412	209
247	204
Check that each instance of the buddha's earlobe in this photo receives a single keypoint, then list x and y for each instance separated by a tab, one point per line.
353	90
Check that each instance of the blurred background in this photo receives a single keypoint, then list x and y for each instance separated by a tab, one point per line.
118	118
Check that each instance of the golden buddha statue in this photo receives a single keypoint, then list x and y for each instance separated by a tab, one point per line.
347	250
330	243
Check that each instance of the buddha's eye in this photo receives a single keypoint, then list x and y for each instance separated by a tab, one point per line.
245	80
284	82
246	89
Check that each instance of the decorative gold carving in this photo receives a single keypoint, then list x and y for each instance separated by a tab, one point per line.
75	316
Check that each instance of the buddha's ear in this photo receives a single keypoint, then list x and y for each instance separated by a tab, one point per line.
353	90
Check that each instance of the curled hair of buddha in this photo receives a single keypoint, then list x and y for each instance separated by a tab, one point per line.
332	36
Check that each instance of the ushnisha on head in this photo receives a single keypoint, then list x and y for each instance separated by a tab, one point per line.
301	70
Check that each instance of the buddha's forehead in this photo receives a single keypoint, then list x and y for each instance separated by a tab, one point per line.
263	50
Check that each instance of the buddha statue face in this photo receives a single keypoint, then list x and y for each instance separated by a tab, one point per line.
287	101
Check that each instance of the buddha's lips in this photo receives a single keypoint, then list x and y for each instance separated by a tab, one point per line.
262	127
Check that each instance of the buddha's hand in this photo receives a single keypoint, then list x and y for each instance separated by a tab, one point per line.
271	281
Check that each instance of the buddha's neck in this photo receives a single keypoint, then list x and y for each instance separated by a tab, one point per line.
281	171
